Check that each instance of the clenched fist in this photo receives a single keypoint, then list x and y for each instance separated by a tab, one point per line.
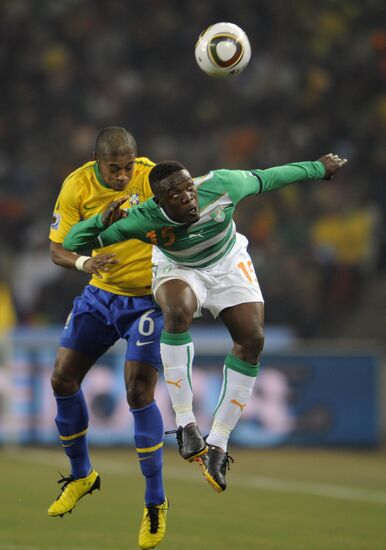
332	164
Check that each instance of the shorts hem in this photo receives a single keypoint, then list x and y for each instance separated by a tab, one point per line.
155	364
91	349
215	311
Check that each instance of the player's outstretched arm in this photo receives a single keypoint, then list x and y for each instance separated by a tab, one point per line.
280	176
85	234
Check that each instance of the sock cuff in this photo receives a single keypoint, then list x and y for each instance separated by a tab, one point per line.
238	365
175	339
142	409
78	393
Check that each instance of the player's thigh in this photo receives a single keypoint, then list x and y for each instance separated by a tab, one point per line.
182	288
177	299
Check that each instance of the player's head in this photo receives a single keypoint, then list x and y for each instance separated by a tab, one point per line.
115	152
174	191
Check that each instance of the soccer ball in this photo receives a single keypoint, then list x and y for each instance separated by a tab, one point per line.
223	50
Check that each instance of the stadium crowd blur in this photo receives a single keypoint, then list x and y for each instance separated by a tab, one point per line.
315	84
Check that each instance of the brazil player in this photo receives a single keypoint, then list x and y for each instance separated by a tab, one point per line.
202	262
117	303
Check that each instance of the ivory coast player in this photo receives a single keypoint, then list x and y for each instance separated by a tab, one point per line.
202	261
117	303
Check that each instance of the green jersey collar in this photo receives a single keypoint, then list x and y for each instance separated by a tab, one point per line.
163	212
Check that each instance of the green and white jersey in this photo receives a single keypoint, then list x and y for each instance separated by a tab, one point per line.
206	241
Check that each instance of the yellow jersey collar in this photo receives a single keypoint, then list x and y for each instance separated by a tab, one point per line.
99	177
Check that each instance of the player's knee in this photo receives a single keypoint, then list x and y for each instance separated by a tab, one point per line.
63	385
258	340
139	394
251	345
177	318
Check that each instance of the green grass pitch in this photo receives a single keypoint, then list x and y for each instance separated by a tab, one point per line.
284	499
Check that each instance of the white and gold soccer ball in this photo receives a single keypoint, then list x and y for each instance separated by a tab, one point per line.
223	50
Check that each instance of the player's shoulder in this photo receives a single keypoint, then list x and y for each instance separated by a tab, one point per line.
143	164
213	175
229	177
80	174
199	180
212	182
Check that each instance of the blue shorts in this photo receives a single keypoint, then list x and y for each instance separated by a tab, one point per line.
99	318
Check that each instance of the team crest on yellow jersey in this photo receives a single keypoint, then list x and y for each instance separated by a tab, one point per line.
134	199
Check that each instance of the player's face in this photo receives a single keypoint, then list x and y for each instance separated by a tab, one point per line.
117	171
179	197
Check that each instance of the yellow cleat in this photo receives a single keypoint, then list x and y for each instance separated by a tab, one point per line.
73	490
153	526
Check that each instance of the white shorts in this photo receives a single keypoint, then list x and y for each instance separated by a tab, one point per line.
228	283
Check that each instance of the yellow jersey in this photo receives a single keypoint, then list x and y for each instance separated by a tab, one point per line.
84	194
8	316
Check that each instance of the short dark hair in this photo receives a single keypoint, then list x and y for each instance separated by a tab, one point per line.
114	141
162	170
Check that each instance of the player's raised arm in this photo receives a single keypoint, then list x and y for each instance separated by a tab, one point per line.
246	183
280	176
85	234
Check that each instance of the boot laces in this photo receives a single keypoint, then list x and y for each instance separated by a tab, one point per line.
229	461
66	481
153	515
168	432
178	434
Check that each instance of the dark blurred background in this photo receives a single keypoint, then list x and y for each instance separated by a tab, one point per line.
315	84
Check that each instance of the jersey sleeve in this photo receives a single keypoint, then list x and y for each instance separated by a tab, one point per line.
238	183
244	183
280	176
92	234
66	212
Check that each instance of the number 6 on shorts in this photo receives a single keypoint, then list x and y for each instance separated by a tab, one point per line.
146	323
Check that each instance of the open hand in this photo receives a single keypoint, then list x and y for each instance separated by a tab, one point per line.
332	164
99	263
114	212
